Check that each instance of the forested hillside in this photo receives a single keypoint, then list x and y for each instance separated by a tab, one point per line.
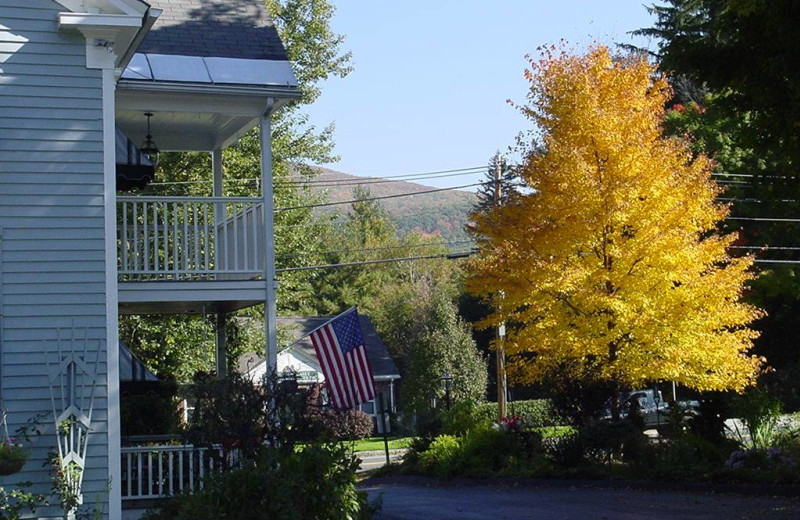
444	212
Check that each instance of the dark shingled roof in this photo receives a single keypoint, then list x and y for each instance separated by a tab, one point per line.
214	28
381	362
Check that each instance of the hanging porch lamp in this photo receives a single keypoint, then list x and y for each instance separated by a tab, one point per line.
149	148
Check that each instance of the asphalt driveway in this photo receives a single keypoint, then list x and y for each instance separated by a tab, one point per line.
422	499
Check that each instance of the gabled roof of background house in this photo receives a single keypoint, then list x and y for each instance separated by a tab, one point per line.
382	364
214	28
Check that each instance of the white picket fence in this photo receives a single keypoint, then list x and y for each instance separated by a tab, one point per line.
164	470
190	238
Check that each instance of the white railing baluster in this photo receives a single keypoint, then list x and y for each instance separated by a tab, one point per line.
185	248
243	219
196	238
155	236
139	474
171	473
125	238
206	265
180	471
165	217
189	238
145	239
129	464
175	241
136	236
160	473
191	471
256	236
201	460
235	226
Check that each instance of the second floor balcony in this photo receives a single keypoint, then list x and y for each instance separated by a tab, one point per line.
190	253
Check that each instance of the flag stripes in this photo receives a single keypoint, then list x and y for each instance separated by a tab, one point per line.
343	359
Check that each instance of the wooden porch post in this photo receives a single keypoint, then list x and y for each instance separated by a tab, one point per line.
270	307
221	346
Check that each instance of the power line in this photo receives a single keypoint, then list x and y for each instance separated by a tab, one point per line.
763	261
435	172
450	256
768	248
379	180
412	246
764	219
326	204
366	182
393	218
334	182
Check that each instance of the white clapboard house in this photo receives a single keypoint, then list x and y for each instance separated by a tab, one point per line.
78	248
300	360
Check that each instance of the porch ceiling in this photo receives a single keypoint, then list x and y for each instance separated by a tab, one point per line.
192	117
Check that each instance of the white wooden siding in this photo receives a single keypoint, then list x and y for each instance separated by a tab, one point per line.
51	217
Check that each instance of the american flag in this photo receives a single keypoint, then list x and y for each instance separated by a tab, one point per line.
343	359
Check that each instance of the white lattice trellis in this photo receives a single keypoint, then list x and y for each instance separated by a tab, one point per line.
72	380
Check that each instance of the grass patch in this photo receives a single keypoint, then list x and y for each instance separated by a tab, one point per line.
376	443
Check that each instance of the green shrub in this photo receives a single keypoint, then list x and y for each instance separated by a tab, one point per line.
480	452
314	483
462	417
440	457
600	442
486	451
685	457
759	413
537	413
13	502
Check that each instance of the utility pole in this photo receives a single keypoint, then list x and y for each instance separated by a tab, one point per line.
500	354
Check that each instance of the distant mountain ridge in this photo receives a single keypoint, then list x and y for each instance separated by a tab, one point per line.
444	212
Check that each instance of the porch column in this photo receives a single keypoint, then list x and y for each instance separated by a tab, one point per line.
219	207
270	307
221	345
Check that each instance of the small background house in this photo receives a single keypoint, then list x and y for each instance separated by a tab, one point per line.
300	359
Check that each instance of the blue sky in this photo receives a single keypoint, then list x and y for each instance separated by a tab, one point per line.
431	78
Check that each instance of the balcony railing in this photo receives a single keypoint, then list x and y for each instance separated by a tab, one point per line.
165	470
190	238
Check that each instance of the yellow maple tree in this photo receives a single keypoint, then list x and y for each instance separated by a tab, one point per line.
611	267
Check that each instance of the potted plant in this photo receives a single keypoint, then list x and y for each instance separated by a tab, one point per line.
12	457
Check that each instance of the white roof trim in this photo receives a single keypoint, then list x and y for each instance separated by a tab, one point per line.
98	22
130	7
213	71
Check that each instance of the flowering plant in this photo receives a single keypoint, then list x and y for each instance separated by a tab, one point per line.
512	423
66	483
12	457
12	452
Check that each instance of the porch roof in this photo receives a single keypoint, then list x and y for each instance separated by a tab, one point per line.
206	70
221	28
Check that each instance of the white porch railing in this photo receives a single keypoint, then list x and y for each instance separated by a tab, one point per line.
190	238
165	470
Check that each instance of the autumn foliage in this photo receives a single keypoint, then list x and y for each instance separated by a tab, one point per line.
610	268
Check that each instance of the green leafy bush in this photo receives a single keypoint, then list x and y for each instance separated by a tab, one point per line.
440	456
759	413
314	483
684	457
13	502
537	413
600	442
480	452
463	417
